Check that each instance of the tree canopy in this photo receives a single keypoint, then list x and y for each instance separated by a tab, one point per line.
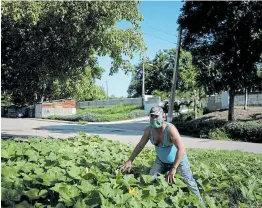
45	42
159	72
225	40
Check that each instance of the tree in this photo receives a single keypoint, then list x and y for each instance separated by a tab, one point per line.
135	87
81	88
159	72
46	41
225	40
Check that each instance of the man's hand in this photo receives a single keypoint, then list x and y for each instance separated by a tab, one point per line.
171	175
126	166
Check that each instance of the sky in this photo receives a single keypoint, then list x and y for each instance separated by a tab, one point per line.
160	32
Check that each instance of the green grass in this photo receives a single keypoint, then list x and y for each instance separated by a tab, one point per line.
117	109
115	113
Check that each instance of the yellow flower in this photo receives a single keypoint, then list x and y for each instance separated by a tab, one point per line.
132	191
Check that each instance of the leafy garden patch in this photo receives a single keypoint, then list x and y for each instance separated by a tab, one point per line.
83	172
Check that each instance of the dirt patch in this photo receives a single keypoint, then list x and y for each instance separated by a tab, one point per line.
251	114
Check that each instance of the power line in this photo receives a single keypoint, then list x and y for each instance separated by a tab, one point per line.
159	38
161	30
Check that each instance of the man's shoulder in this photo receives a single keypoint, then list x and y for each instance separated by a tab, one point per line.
169	124
171	127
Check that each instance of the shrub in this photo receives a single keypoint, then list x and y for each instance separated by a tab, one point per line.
66	118
247	131
136	114
198	127
218	133
91	117
220	129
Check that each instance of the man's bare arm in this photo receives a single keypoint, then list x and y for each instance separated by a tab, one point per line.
140	145
178	142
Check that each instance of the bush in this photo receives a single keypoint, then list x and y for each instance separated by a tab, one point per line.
91	117
65	118
247	131
218	133
198	127
219	129
136	114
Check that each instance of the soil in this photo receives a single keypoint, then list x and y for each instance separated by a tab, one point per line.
251	114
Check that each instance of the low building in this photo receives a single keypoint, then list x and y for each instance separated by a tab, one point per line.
54	108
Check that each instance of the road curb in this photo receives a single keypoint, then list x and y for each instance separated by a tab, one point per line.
76	122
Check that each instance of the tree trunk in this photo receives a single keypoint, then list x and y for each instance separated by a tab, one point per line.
245	106
195	106
231	105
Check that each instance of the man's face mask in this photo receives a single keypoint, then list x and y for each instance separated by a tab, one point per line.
156	121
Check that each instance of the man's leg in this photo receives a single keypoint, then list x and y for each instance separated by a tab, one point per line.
185	171
157	168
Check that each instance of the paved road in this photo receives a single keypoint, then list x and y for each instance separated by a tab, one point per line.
128	132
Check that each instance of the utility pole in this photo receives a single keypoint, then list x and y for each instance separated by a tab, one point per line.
107	90
143	79
173	88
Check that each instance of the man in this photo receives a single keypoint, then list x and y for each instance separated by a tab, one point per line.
171	153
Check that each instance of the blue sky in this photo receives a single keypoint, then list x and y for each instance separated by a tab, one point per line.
158	15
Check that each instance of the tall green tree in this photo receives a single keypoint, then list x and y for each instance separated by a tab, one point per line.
159	73
46	41
225	40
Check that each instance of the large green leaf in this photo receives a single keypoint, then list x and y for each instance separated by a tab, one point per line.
122	198
8	194
86	187
29	167
67	192
8	152
23	204
35	193
146	179
75	172
80	203
10	172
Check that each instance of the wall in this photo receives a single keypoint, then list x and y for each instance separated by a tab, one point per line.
151	102
221	101
252	99
109	103
38	110
61	107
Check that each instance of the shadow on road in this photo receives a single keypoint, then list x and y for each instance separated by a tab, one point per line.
132	129
64	130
